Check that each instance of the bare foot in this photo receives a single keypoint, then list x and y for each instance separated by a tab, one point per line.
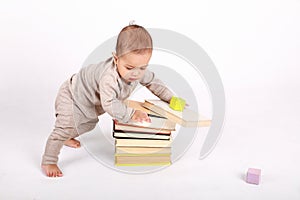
72	143
52	170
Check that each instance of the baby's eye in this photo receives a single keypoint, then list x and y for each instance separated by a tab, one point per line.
143	68
129	68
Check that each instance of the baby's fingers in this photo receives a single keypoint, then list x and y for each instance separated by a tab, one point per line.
147	119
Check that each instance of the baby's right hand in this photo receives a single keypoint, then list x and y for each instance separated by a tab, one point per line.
140	116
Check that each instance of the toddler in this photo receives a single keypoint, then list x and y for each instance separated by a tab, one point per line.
100	88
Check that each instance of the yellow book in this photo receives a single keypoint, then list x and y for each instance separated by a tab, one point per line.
138	160
144	164
142	150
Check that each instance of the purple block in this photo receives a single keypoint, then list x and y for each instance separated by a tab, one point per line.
253	176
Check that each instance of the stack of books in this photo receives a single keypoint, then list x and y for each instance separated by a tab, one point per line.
143	144
138	144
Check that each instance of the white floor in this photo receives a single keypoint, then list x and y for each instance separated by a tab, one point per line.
257	57
261	131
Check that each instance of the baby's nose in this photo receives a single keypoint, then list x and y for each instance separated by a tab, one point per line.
135	72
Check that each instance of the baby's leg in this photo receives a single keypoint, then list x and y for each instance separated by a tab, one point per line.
57	139
72	143
64	130
54	144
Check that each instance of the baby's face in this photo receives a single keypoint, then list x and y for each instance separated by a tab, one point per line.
132	66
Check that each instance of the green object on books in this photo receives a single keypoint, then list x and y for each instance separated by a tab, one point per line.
177	103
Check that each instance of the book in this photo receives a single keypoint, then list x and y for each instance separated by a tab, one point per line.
136	129
142	160
139	106
142	150
144	131
143	143
132	135
187	117
157	123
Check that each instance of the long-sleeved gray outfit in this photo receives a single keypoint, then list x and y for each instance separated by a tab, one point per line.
94	90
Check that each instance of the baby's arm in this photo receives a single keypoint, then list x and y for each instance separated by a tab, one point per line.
156	86
109	93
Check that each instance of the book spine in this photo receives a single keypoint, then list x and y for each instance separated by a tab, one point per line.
139	138
140	132
143	164
141	154
143	143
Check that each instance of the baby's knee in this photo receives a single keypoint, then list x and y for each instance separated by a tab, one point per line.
63	134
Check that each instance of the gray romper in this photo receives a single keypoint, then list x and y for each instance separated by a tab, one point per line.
94	90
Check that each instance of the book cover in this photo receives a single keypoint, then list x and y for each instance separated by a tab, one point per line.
138	106
135	129
186	117
157	123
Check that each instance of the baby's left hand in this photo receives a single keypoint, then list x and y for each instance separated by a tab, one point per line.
140	116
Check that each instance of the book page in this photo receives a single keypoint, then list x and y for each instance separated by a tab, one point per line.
156	123
186	114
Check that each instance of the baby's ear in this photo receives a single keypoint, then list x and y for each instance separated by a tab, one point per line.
115	57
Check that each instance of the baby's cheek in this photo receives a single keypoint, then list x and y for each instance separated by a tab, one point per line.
142	74
127	74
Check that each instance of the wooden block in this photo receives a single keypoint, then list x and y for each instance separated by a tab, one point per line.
177	103
253	176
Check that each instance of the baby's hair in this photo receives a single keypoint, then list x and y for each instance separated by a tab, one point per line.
133	38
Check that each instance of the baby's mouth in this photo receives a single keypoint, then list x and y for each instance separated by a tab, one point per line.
133	79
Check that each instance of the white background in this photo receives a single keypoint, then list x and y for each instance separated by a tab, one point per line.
255	46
